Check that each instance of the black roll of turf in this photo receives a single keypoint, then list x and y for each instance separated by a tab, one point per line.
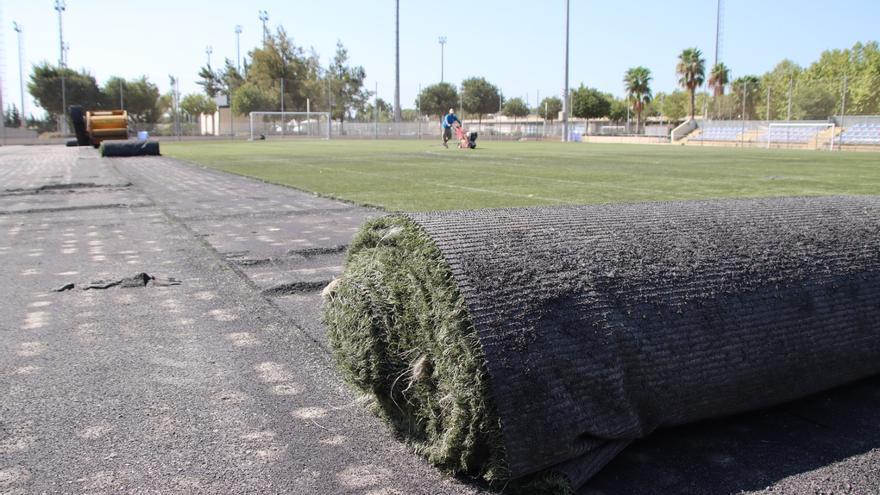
130	148
78	118
599	324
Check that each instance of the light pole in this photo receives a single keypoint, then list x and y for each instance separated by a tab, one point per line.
442	41
565	108
264	18
717	30
61	6
397	61
208	51
238	47
18	29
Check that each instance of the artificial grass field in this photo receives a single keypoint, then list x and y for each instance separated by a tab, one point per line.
422	175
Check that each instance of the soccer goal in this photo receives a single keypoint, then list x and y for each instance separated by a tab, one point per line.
801	134
308	124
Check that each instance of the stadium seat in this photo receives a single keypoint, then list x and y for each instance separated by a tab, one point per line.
865	134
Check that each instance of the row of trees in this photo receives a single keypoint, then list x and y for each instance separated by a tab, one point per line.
279	74
847	77
139	96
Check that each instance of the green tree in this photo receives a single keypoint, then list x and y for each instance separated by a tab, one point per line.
230	78
347	85
368	113
637	81
691	68
196	104
673	106
619	110
252	98
479	96
11	117
409	114
46	124
746	89
815	103
280	59
549	108
784	76
719	78
515	107
209	81
437	99
140	97
81	89
589	103
861	67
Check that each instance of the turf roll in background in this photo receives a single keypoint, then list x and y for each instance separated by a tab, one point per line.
536	343
129	148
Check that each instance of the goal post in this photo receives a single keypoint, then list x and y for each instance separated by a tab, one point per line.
308	124
800	133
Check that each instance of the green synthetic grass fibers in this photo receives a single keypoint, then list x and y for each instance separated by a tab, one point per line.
401	332
423	176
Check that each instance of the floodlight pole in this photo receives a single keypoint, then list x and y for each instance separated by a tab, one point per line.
2	124
420	111
208	51
264	18
397	62
329	108
18	29
843	102
544	128
61	6
283	123
238	47
442	41
565	108
790	88
717	29
121	98
376	113
745	97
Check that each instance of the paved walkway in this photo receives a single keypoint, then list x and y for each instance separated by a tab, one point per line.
204	387
224	384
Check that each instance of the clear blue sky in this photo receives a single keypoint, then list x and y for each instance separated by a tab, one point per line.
515	44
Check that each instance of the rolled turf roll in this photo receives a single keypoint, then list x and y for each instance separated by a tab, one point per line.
129	148
539	342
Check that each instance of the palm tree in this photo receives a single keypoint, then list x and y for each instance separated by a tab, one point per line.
745	88
692	69
638	90
719	78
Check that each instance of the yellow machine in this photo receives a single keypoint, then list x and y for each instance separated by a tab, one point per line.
110	124
108	129
96	126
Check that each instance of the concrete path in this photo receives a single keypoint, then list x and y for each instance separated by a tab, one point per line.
203	387
224	384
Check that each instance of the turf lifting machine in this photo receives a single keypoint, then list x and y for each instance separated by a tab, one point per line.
108	130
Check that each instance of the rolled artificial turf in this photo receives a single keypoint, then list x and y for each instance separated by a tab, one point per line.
129	148
536	343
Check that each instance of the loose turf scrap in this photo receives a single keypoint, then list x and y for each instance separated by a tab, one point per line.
534	344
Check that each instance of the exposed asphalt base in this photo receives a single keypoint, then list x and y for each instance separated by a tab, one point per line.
224	384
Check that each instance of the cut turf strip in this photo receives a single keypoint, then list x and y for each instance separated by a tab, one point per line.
537	343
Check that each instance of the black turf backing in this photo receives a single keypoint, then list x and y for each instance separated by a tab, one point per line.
602	323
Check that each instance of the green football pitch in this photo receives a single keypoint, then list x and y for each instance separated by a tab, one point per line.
413	175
